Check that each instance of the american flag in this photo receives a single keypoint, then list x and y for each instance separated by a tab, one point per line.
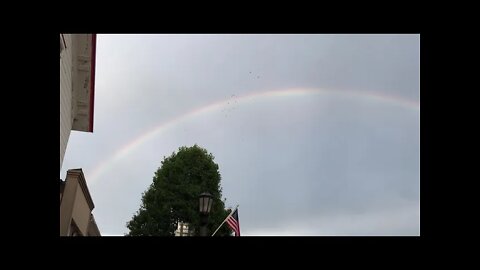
233	222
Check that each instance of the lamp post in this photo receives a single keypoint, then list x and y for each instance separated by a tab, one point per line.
206	200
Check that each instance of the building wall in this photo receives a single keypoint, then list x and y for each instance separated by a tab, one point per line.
77	83
66	101
66	205
183	229
76	206
83	82
81	212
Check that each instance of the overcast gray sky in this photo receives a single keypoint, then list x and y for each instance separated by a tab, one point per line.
313	134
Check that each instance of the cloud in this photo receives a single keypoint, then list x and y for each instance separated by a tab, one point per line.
401	221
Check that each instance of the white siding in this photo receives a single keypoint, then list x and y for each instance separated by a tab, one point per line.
65	96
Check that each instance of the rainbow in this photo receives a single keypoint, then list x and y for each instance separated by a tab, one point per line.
253	97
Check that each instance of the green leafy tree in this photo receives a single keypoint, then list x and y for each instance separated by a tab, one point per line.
173	195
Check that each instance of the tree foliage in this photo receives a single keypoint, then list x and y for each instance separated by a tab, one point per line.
173	195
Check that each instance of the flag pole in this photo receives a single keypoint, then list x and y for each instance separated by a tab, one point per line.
225	220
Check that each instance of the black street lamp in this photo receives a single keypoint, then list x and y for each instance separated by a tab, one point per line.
206	200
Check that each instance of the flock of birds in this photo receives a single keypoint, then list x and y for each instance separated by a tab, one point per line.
232	103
